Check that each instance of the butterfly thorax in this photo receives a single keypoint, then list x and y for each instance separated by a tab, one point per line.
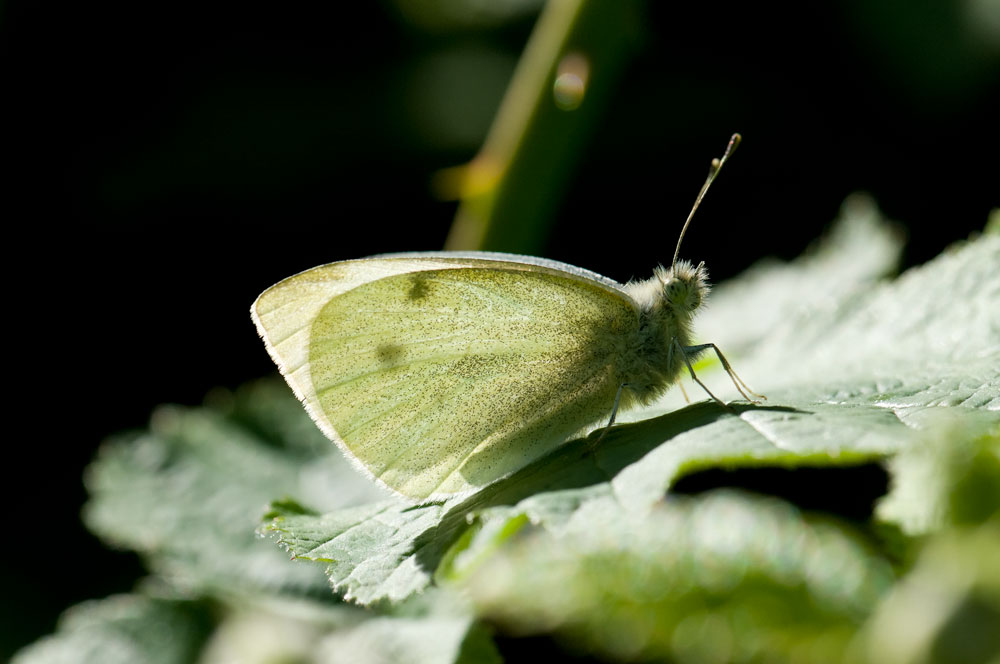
666	306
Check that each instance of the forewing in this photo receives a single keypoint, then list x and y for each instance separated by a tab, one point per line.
285	312
442	381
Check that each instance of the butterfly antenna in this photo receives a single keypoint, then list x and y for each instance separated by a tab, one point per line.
712	172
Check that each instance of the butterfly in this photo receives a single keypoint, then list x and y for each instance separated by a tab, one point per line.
439	373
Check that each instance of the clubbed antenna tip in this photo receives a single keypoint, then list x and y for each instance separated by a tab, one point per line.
713	171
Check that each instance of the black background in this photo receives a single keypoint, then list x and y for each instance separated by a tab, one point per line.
168	161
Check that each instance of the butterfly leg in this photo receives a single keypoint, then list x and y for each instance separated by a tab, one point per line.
737	381
614	413
618	399
670	363
687	362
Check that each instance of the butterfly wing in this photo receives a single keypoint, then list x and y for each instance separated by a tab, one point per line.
439	374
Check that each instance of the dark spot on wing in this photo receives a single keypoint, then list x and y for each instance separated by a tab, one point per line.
390	354
419	287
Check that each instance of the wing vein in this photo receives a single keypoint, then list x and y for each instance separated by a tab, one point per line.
544	409
416	439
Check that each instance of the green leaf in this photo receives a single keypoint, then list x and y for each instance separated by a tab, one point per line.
860	249
349	539
188	492
950	476
854	374
948	608
139	629
277	631
124	629
431	629
401	640
723	577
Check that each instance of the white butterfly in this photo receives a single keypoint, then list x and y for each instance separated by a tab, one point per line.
440	373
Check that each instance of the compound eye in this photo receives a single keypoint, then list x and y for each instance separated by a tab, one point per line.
675	291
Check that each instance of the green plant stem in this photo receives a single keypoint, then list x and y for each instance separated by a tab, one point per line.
509	191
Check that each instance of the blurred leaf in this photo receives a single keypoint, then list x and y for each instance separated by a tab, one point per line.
432	629
852	378
401	640
187	493
860	249
950	476
273	632
720	578
993	224
947	610
124	629
138	629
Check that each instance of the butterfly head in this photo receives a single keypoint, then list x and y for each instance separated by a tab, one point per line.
684	286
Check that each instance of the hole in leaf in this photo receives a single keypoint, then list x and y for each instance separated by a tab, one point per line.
849	492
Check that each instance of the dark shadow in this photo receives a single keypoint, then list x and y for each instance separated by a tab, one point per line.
849	492
577	464
542	648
